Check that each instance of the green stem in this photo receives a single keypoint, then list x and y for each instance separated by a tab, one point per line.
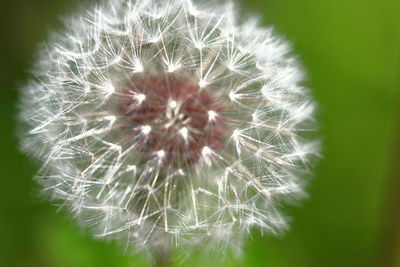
161	257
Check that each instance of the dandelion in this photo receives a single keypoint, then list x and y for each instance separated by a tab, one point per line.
169	124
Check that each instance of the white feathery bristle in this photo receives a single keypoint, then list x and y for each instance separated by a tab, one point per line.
169	123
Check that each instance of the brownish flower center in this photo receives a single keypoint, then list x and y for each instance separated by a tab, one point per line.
174	119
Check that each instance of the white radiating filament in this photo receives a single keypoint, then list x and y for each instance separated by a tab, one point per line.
177	173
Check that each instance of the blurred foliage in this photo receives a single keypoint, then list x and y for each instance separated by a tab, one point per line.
351	50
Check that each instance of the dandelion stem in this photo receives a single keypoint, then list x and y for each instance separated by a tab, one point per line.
161	258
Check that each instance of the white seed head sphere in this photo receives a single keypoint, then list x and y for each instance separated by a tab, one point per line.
166	123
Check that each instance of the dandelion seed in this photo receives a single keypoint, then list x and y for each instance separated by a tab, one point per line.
166	124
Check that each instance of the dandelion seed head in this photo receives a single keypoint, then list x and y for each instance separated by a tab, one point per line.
169	123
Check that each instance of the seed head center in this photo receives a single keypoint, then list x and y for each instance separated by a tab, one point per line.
173	115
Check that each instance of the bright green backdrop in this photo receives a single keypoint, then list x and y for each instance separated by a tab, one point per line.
351	49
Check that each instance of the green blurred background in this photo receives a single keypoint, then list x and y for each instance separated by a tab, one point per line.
351	50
